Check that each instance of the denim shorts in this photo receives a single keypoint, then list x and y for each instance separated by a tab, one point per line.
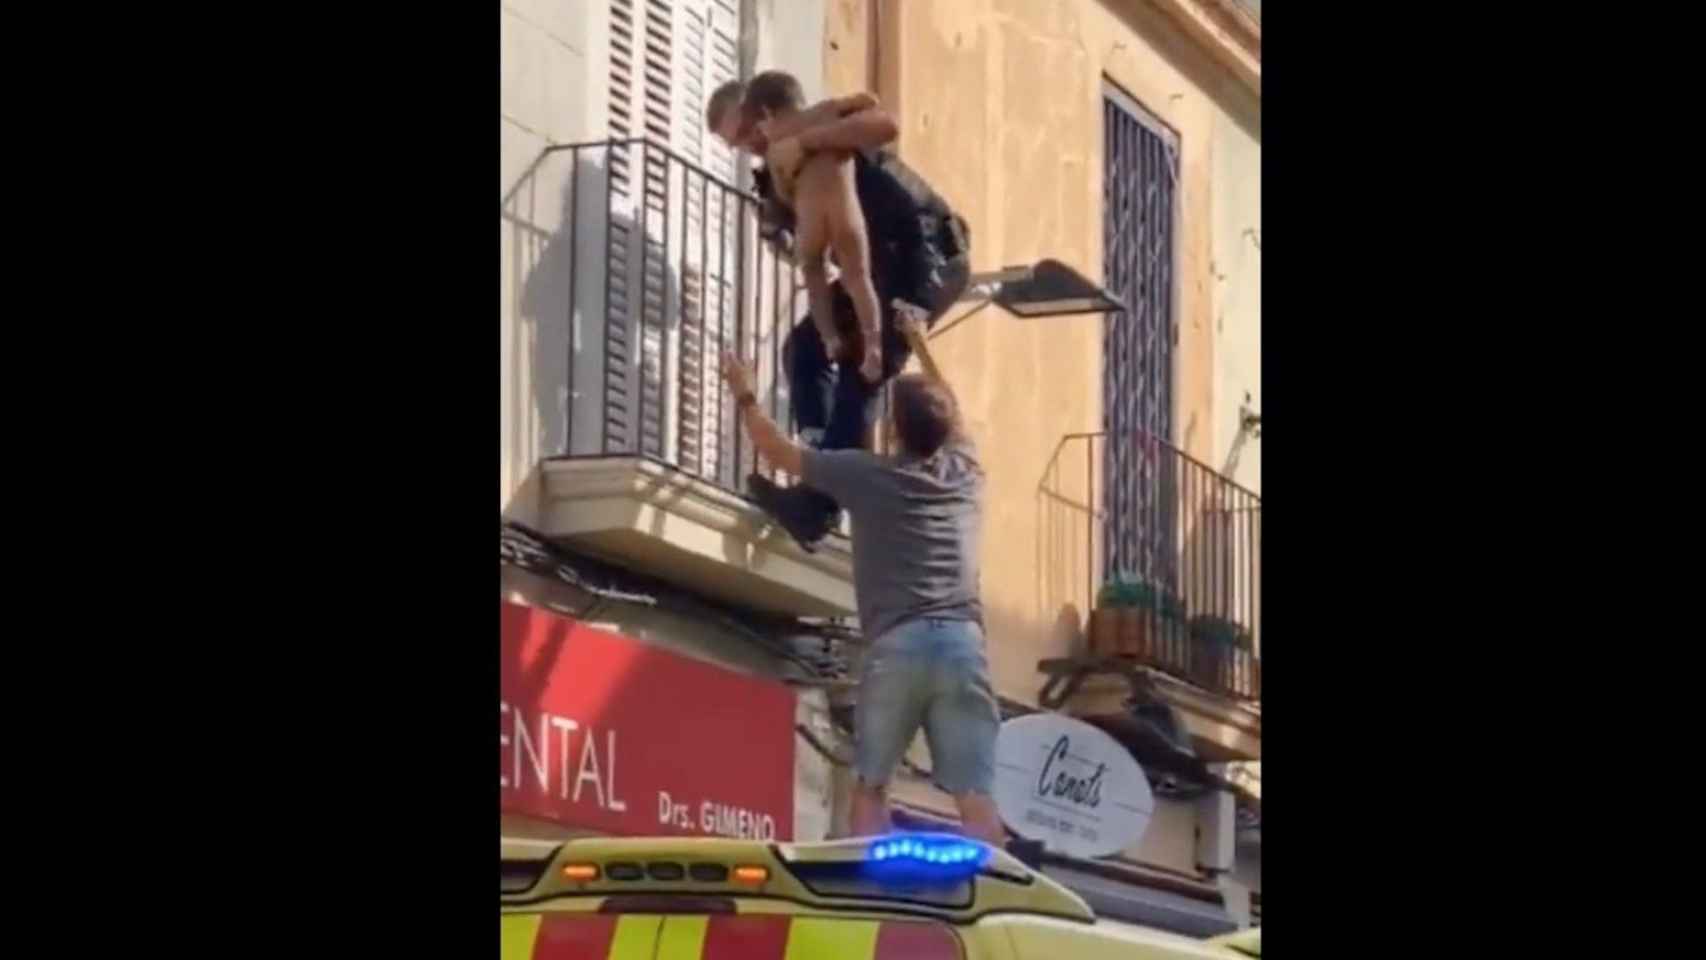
930	673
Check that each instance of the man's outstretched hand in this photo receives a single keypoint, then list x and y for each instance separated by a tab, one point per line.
736	374
909	320
767	439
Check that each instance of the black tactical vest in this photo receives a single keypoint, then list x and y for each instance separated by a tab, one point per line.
901	210
900	207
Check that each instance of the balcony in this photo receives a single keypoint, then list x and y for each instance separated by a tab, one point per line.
646	269
1170	573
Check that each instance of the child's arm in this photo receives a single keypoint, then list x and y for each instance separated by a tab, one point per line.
851	123
821	113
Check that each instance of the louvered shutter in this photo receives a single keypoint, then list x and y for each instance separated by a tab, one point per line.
671	274
710	256
640	54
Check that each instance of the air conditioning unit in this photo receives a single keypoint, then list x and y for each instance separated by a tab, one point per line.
1164	722
1217	831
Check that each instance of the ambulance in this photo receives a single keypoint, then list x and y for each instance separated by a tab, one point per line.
916	896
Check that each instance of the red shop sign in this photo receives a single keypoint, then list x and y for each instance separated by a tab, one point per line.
602	732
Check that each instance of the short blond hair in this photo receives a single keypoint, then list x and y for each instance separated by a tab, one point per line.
775	91
721	99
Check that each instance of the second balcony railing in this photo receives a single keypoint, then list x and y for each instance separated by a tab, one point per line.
1169	557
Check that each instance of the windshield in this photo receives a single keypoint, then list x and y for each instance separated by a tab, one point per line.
1247	942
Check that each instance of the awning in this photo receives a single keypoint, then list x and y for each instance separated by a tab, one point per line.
1130	902
1144	906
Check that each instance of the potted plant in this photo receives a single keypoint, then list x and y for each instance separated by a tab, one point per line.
1130	617
1103	628
1170	648
1215	643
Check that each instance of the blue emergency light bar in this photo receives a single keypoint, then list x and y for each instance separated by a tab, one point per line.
956	854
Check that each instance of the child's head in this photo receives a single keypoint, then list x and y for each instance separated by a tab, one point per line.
726	117
774	93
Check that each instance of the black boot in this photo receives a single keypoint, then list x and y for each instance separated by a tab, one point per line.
823	514
798	510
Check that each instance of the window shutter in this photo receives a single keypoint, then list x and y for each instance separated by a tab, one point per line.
710	257
672	265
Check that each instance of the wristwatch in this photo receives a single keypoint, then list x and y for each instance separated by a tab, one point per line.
745	399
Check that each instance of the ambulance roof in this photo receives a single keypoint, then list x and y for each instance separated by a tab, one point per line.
942	876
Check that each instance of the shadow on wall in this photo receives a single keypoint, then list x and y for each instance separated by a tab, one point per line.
1017	642
1065	549
562	221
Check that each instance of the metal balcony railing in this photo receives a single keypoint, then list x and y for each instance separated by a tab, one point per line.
1171	556
659	267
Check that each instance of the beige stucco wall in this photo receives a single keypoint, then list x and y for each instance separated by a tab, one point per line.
1000	107
1236	197
788	35
847	44
547	70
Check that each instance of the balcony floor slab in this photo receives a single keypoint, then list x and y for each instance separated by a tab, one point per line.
670	524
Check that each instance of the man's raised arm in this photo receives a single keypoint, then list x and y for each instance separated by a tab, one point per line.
909	320
767	438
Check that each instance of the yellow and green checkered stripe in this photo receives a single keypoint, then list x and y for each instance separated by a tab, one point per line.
594	936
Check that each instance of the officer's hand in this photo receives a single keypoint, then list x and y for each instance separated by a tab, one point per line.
832	346
871	368
908	319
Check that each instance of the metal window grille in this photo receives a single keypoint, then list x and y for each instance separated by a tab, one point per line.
1140	175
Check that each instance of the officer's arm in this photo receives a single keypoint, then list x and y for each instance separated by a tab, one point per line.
775	220
865	129
776	449
826	111
854	122
776	228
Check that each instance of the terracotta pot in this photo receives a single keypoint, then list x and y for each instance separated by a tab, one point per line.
1134	640
1170	647
1208	666
1103	632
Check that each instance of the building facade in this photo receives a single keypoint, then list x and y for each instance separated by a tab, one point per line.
1121	137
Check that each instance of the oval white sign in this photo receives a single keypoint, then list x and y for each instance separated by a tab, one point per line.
1069	785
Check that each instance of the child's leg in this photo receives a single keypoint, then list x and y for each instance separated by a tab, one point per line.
827	187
